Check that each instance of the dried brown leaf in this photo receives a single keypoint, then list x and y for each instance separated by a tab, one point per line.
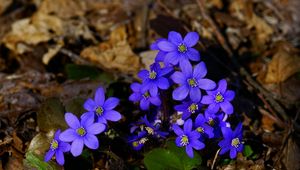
4	4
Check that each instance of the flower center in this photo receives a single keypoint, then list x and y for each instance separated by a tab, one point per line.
211	121
219	97
182	48
135	144
146	95
235	142
200	129
152	75
81	131
192	108
54	144
149	130
99	110
184	140
192	82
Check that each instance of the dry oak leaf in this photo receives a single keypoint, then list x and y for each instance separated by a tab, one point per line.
285	63
31	31
115	54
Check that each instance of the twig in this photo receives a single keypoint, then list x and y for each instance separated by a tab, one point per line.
215	159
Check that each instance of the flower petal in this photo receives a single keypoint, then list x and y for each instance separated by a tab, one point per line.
200	70
188	125
72	120
91	141
175	37
60	157
163	83
189	151
160	56
213	108
232	153
166	46
222	86
95	128
68	135
229	95
111	103
64	147
136	87
178	77
144	104
207	99
77	147
196	144
206	84
195	94
112	115
57	133
191	39
193	54
200	120
177	130
186	68
87	119
227	107
134	97
172	58
49	155
101	119
227	133
178	141
180	93
155	101
224	150
99	96
153	90
143	74
89	105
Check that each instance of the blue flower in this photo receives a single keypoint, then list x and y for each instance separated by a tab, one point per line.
58	148
202	127
188	108
138	141
153	129
191	81
179	49
102	108
81	133
219	98
188	138
144	97
160	56
232	141
154	79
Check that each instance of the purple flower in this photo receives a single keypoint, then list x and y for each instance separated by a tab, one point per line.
219	98
188	138
102	108
138	141
160	56
217	121
188	108
81	133
179	49
191	81
144	97
202	127
58	148
153	129
232	141
154	79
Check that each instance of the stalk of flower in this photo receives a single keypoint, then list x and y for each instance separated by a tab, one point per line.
81	133
191	81
219	98
57	148
188	138
232	141
103	109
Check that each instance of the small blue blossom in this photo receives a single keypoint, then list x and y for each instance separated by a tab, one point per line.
179	49
154	79
217	121
145	98
232	141
58	148
81	133
202	127
160	56
191	81
188	138
153	129
138	141
219	98
102	108
188	108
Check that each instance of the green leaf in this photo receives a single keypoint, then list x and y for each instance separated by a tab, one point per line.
187	162
247	151
172	157
162	159
33	161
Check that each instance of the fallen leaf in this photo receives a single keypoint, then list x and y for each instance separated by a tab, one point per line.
4	4
285	63
115	54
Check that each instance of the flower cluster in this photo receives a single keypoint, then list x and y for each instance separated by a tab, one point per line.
203	105
82	132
